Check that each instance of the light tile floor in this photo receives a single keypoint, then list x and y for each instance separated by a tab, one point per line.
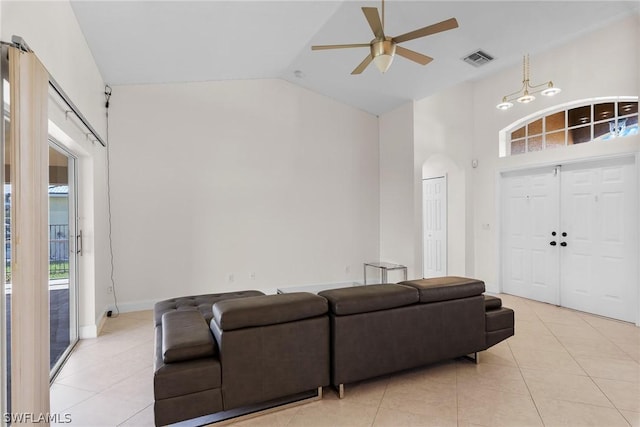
562	368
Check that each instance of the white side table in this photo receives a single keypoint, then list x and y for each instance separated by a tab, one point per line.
384	268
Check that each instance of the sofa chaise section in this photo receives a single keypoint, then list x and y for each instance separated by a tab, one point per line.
236	351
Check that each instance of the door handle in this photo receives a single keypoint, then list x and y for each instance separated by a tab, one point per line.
79	243
553	243
563	244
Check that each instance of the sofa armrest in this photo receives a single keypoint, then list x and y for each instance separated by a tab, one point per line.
267	310
186	336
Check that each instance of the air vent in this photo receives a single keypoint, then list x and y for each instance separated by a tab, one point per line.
478	58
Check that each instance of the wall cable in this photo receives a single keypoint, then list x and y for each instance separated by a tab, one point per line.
107	95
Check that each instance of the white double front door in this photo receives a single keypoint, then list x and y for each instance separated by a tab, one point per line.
570	236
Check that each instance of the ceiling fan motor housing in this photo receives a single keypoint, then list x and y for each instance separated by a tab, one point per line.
383	47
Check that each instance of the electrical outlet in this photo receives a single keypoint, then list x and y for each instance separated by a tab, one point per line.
110	290
230	278
252	276
347	269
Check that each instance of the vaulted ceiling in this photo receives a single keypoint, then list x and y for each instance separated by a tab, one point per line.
143	42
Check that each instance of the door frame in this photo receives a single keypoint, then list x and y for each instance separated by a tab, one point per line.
73	261
445	208
584	160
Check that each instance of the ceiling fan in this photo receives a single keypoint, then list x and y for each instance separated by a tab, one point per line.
384	48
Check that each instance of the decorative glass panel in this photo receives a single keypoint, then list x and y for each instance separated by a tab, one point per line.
555	121
579	135
555	139
518	133
603	111
580	116
626	108
517	146
534	144
535	128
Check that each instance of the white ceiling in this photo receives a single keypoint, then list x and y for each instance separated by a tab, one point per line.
141	42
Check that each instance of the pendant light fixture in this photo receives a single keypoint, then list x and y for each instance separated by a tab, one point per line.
525	94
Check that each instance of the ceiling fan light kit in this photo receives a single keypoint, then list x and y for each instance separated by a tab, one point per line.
525	94
383	49
383	52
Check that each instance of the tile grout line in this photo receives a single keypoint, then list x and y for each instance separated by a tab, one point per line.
77	403
125	421
380	403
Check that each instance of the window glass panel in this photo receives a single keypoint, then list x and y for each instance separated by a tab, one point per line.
579	135
518	133
555	121
535	128
534	144
604	131
625	108
554	140
517	146
603	111
580	115
628	126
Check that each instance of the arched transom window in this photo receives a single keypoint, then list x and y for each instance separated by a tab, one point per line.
602	119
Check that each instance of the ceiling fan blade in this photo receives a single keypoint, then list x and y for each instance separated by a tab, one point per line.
413	55
448	24
339	46
371	13
360	68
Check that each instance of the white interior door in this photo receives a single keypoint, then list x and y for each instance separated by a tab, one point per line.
434	222
530	248
600	218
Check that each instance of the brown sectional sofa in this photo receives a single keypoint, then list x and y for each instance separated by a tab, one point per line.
218	353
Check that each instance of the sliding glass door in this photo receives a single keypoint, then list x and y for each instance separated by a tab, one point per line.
64	246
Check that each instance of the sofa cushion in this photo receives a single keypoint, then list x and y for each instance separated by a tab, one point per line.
446	288
201	303
492	303
363	299
267	310
186	336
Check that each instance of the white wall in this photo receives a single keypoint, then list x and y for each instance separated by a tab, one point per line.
51	30
397	185
443	146
239	177
460	124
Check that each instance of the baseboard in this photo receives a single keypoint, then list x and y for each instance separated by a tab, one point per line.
90	331
127	307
